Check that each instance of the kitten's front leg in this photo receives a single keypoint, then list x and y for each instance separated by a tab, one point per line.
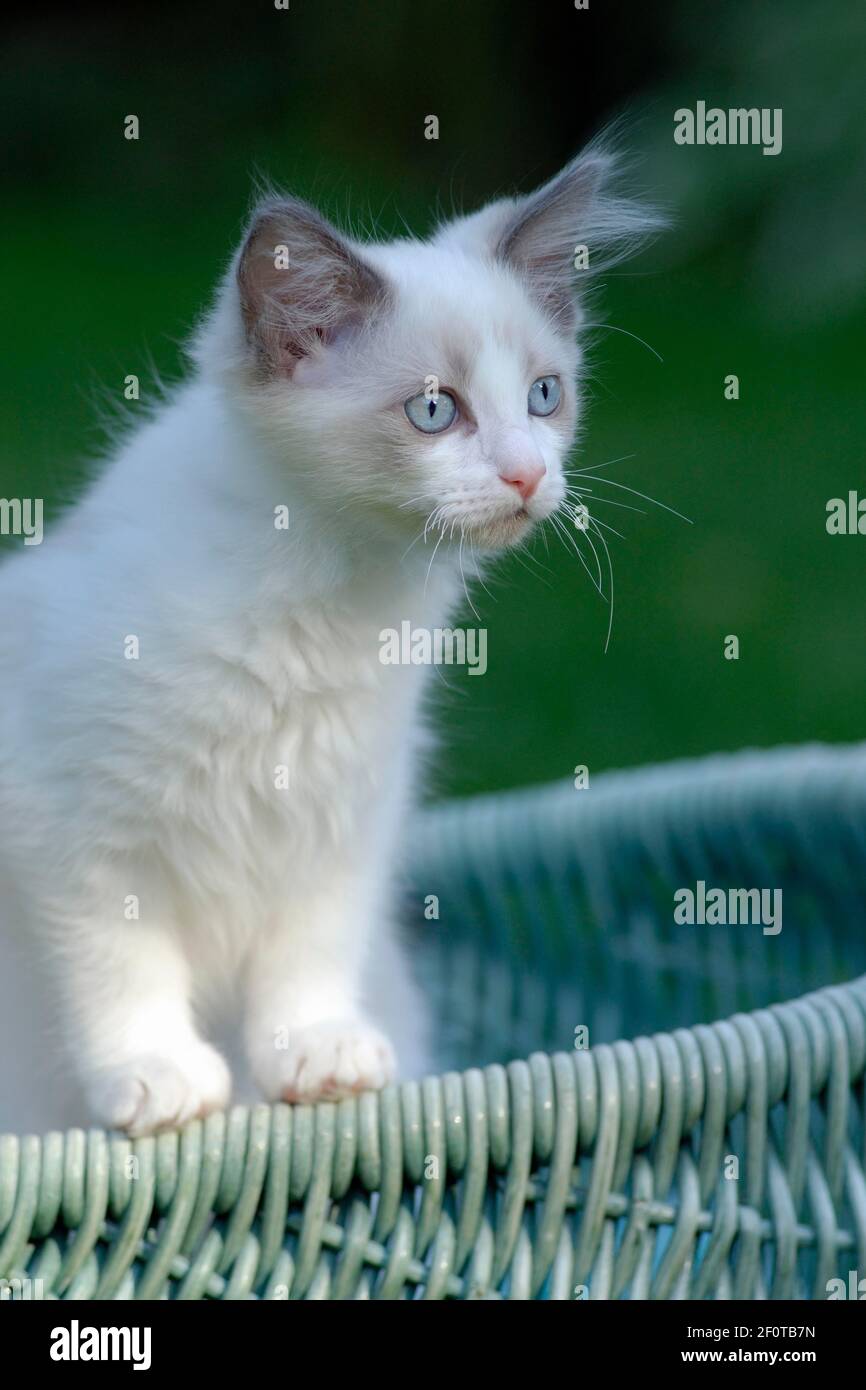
131	1034
306	1033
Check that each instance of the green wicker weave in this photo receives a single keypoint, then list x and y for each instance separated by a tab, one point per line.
701	1159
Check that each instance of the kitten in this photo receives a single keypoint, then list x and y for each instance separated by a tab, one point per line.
205	766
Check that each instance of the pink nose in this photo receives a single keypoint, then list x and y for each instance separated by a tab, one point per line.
525	477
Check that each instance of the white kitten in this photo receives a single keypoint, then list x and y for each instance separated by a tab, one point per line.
204	765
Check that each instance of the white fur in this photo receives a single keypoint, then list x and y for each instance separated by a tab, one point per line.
258	649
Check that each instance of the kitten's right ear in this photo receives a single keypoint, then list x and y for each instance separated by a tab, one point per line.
301	285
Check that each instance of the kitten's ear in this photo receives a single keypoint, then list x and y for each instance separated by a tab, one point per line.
301	284
568	229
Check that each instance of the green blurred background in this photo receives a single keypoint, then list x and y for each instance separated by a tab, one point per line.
111	248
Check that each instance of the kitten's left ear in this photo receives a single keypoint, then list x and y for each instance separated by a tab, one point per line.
570	227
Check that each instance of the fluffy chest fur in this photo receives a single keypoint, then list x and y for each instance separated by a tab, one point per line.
222	726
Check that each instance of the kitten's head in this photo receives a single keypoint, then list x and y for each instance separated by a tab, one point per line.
424	382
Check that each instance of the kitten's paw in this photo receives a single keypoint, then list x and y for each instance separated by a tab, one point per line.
154	1092
329	1060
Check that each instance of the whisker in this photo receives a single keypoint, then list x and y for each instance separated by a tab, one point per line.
521	556
573	541
524	553
411	501
607	528
570	543
609	463
432	522
654	500
421	535
608	501
610	572
597	561
612	328
462	575
410	546
478	575
432	558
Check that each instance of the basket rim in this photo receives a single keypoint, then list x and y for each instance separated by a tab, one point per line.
527	1125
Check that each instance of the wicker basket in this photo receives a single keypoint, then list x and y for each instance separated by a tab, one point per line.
706	1160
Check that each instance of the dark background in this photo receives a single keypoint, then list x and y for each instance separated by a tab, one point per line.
110	248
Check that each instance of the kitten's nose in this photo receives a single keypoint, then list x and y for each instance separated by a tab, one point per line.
525	475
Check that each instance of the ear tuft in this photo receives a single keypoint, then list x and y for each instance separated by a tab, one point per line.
565	232
572	227
301	284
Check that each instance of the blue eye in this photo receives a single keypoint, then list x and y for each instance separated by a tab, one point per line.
431	414
544	395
